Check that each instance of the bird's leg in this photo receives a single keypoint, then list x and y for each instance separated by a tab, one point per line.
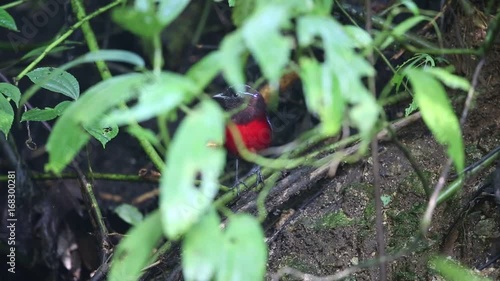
237	181
257	170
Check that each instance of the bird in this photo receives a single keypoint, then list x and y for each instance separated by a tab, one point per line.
249	115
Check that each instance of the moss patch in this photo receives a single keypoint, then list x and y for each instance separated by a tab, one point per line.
333	220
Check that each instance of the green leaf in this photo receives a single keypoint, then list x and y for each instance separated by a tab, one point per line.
10	91
46	114
402	28
244	246
453	271
449	79
411	108
107	55
365	114
134	251
68	136
437	113
61	107
168	10
102	132
202	249
142	24
327	29
66	139
7	21
61	82
321	97
38	51
410	5
148	18
386	199
205	70
242	10
342	72
142	133
322	7
37	114
161	95
232	51
208	252
182	201
347	67
266	43
6	115
129	214
360	37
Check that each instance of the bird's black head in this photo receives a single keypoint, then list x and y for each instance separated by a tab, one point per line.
246	105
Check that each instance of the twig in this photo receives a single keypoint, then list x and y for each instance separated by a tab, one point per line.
13	4
97	176
469	172
379	219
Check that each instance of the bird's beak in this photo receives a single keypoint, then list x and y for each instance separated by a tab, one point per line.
219	96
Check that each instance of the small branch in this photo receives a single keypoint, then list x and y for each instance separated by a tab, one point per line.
90	38
158	57
150	151
469	172
12	4
379	218
97	176
98	221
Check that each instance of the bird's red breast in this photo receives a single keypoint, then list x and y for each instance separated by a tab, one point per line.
250	119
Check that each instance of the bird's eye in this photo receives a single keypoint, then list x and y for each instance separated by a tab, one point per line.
230	92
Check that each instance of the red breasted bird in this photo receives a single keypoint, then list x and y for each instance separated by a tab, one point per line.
249	117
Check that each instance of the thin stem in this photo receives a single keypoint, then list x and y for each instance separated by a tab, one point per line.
96	176
162	121
151	152
98	221
379	219
90	37
261	198
158	57
202	22
12	4
469	172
